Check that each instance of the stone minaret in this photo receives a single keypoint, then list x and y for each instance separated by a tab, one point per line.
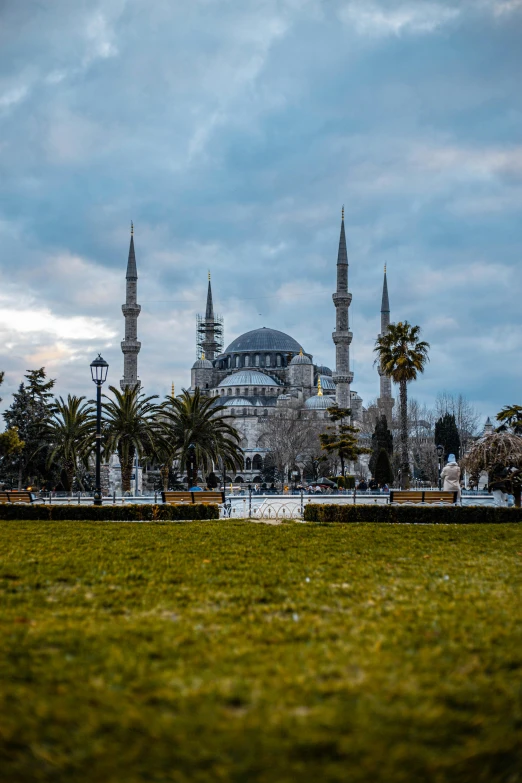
131	310
209	344
342	336
385	401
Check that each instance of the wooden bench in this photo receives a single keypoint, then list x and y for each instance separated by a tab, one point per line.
181	498
18	496
429	496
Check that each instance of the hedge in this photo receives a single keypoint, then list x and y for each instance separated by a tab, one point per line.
136	511
446	515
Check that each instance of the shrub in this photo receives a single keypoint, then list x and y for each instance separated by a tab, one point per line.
340	481
446	515
349	482
142	511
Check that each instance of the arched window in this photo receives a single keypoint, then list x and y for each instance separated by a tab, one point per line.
248	464
237	361
257	462
255	391
278	360
245	411
222	392
229	362
246	392
267	360
229	392
265	412
237	392
257	359
262	392
247	360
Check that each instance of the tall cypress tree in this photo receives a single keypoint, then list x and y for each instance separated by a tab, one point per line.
383	469
29	413
447	435
381	439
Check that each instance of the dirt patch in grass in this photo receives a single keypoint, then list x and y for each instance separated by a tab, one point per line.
239	652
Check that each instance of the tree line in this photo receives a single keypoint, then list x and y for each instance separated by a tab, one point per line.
49	441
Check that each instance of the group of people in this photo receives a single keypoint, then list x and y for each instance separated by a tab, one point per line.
503	481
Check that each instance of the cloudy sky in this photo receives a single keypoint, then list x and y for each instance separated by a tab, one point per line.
231	132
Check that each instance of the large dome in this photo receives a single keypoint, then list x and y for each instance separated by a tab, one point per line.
248	378
264	340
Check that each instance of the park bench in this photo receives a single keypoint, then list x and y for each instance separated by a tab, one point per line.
181	498
18	496
429	497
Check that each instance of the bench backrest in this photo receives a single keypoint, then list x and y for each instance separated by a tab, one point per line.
176	497
193	497
4	497
208	497
447	497
20	496
415	496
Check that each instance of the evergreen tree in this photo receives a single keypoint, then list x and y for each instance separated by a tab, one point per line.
381	439
29	413
447	435
341	438
383	469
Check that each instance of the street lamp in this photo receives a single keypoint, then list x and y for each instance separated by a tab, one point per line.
191	464
99	369
440	454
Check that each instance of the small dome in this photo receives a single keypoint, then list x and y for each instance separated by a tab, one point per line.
301	358
319	403
323	370
202	364
237	402
248	378
327	383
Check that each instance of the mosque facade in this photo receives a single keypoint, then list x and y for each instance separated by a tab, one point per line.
265	373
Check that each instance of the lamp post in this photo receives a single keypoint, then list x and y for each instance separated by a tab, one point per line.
191	463
440	454
99	369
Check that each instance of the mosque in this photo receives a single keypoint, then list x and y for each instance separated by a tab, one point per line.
264	372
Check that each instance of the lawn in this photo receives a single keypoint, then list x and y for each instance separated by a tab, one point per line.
235	651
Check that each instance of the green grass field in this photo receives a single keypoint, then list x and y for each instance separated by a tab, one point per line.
234	651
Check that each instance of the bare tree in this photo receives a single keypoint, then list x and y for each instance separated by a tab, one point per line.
291	439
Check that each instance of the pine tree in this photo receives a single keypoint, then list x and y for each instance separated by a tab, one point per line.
447	435
383	469
29	413
381	439
341	439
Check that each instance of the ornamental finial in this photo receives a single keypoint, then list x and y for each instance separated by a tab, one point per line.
342	213
319	387
172	390
132	228
209	275
300	352
384	268
203	355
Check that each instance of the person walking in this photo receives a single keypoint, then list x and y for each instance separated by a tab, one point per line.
451	476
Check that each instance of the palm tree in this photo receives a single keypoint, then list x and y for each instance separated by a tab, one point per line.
400	356
71	432
194	419
511	417
130	424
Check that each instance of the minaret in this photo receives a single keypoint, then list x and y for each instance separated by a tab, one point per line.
131	310
209	342
209	330
385	401
342	336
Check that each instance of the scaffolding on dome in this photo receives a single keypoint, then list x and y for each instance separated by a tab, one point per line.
208	329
